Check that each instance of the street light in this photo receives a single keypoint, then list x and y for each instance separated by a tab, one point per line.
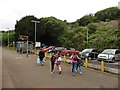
35	29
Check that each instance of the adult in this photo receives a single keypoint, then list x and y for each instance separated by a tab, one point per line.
41	56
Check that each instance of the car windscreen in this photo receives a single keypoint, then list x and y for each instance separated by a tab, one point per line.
109	51
87	50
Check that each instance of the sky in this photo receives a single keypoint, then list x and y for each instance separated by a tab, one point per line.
70	10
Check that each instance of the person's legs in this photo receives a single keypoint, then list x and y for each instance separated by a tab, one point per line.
80	69
72	66
77	67
74	69
41	61
51	66
59	69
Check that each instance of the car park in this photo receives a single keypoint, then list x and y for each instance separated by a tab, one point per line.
109	55
90	53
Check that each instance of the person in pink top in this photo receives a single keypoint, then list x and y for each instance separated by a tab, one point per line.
74	58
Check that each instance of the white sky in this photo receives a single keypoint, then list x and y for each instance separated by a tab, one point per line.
70	10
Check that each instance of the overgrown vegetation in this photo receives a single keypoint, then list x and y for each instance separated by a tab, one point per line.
102	28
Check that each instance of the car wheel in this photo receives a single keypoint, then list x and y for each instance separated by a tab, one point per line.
113	60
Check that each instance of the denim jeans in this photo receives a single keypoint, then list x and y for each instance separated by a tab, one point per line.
80	68
74	66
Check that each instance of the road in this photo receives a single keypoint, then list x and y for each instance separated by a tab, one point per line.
18	71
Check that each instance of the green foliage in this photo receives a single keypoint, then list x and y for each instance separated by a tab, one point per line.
47	31
112	13
85	20
5	37
25	27
103	30
52	28
92	27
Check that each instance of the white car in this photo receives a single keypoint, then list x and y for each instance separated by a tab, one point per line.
109	55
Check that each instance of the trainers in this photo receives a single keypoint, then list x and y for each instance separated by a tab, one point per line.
73	74
51	72
80	73
60	72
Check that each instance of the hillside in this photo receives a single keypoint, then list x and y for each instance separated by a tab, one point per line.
105	35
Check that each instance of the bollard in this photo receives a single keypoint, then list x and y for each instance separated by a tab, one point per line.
102	66
45	54
64	58
86	63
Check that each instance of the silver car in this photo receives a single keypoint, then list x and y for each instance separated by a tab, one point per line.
109	55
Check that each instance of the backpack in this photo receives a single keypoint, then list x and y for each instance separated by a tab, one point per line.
80	63
53	58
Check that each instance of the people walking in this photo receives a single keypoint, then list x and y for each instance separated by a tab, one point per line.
41	56
79	64
74	58
58	62
53	58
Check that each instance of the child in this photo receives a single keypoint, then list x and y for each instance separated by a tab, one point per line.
58	62
53	58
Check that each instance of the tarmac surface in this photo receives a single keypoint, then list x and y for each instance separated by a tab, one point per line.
19	71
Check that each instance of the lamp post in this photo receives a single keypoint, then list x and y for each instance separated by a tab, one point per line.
35	29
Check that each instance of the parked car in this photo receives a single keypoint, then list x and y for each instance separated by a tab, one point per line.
109	55
55	49
90	53
59	49
48	48
69	52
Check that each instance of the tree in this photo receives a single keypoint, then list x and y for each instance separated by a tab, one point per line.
25	27
85	20
92	28
112	13
5	37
